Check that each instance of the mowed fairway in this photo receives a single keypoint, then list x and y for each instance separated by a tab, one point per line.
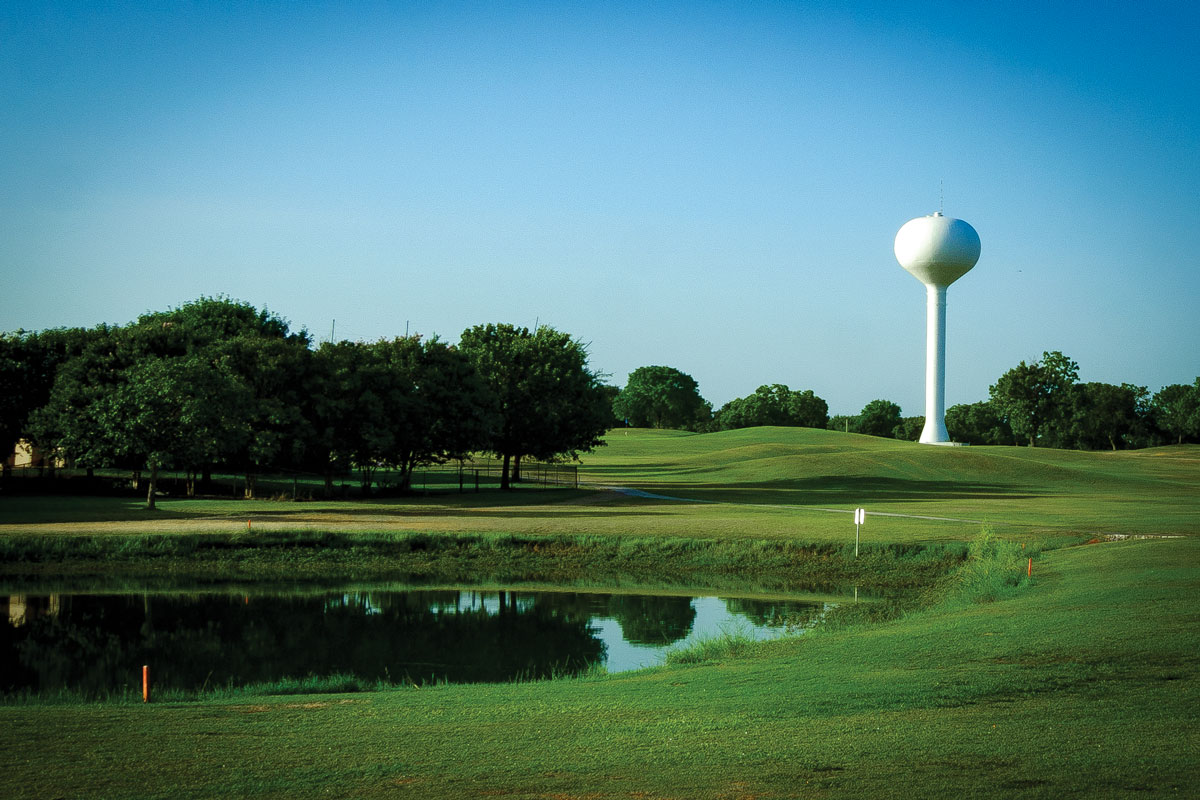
1079	683
796	483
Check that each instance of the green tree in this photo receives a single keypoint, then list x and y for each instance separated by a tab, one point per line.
661	397
878	418
979	424
273	429
1176	411
1035	399
69	422
399	403
909	429
1104	414
549	403
19	389
846	423
774	405
157	414
29	365
358	401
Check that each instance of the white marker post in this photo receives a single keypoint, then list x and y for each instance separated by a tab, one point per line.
860	516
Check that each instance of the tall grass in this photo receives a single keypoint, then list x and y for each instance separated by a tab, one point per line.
722	647
994	569
783	564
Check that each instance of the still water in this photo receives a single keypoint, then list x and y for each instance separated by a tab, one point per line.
95	644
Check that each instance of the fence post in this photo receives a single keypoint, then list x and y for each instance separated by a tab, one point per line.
477	480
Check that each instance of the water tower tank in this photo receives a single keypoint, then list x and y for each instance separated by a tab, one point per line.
937	250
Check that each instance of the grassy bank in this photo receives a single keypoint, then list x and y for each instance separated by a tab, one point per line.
33	560
1081	683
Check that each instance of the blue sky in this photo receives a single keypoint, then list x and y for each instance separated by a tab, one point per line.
711	186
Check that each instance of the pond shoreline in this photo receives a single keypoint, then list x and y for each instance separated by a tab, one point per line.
300	556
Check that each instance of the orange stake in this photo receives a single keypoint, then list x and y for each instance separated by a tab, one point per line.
145	684
1031	567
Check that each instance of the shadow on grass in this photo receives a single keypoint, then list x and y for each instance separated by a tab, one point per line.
30	510
841	490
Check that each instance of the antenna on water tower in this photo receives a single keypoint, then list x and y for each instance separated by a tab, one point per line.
937	251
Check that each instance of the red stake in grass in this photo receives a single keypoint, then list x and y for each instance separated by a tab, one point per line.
1031	568
145	683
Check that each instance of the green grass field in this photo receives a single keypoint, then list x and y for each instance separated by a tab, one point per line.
1081	682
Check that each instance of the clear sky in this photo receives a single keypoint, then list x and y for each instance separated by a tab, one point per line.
710	186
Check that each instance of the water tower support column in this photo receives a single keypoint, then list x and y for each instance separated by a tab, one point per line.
935	431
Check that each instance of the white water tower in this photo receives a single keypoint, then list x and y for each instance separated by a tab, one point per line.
937	251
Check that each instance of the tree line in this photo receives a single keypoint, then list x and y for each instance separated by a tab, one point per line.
218	384
1040	404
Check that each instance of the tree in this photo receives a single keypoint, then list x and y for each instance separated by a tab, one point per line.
978	424
273	429
909	429
69	422
878	418
1175	409
549	404
454	409
19	396
661	397
1104	414
398	403
158	414
1035	399
846	423
774	405
359	402
611	393
29	365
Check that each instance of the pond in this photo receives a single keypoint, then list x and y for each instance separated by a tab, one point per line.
96	644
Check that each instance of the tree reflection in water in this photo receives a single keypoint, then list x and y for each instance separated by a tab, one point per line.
96	644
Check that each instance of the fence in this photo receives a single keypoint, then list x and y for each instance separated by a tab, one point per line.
471	475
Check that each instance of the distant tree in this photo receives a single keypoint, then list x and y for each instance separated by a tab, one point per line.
1175	409
549	403
1104	414
158	413
19	358
661	397
611	393
69	421
909	429
397	403
879	418
843	422
361	404
978	424
273	427
202	323
1035	399
774	405
29	364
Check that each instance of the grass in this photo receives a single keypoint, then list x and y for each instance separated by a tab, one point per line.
73	562
1081	681
789	483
